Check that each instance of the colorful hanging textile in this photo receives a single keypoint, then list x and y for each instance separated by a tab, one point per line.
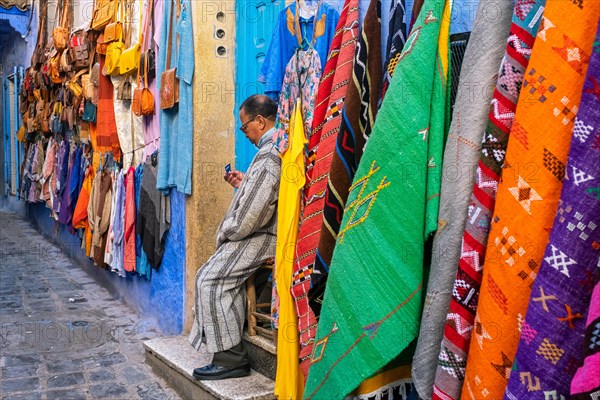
370	315
301	81
552	333
338	72
395	44
104	132
289	382
528	194
483	55
586	383
358	117
129	237
465	293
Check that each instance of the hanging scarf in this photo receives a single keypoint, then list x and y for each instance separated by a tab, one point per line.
338	71
465	293
372	301
529	193
552	332
479	73
289	382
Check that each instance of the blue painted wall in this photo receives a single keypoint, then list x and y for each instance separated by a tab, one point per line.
159	300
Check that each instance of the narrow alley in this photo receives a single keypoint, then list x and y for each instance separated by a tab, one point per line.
62	336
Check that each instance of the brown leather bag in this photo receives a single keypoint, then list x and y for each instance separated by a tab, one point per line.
169	83
60	34
143	99
101	47
105	12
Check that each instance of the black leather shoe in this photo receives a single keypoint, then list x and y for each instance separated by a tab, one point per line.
215	372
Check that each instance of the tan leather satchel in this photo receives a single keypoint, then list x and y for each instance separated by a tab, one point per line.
169	83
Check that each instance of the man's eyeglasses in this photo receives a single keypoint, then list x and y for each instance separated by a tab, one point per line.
244	127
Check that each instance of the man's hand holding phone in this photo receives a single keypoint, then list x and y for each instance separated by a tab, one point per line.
234	178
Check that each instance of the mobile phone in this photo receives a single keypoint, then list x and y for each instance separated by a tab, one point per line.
228	168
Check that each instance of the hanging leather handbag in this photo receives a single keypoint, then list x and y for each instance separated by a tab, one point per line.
114	50
169	83
74	85
105	12
130	59
101	46
53	69
55	123
143	99
60	34
89	112
148	63
22	133
80	49
113	54
66	61
124	90
112	32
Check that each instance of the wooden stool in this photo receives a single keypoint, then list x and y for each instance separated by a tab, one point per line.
253	314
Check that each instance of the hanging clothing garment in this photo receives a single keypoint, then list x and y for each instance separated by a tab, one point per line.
108	250
62	169
284	42
301	81
99	214
142	266
104	132
118	230
483	55
37	171
129	127
80	214
76	182
395	44
245	239
356	338
586	382
561	293
176	124
48	176
129	256
152	122
338	73
65	215
154	217
465	293
527	203
289	383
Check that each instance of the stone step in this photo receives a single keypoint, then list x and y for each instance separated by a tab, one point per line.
174	359
262	353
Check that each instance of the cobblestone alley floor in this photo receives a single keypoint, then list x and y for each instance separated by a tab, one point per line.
62	336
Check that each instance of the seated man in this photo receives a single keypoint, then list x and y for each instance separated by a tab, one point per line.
245	239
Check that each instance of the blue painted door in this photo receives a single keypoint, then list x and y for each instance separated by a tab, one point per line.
255	21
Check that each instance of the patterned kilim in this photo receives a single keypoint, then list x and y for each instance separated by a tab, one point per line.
529	192
553	330
586	383
289	379
463	304
358	116
372	302
337	75
482	57
395	43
